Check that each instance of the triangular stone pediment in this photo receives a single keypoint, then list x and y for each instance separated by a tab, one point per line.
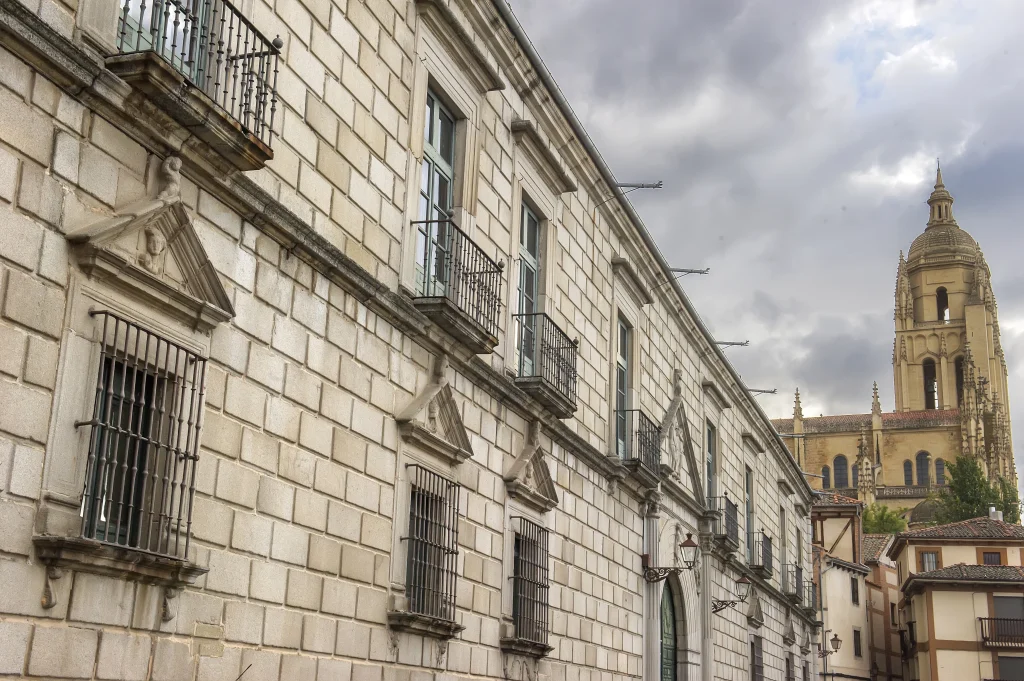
755	614
789	635
432	419
677	443
528	478
150	250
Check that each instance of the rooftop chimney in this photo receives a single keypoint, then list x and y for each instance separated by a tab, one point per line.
994	514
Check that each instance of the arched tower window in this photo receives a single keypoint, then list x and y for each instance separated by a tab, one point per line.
940	472
922	469
826	478
855	473
668	634
959	367
908	473
842	472
942	304
931	385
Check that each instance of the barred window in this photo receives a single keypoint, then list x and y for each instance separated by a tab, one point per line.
144	440
855	590
790	669
433	544
530	581
857	651
992	558
756	659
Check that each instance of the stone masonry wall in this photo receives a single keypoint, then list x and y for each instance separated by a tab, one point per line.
296	492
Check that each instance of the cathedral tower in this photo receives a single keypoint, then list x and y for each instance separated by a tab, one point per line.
947	354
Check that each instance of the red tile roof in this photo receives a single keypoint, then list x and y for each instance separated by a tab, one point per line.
831	499
854	423
872	546
976	573
975	528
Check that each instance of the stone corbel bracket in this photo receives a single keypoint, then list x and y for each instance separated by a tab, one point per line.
528	478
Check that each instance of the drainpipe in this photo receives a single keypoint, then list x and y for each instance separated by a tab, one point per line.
822	608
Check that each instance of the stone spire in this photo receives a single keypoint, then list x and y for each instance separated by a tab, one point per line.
876	404
940	202
866	473
798	411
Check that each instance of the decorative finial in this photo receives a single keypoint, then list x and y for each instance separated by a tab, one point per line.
798	410
876	405
938	174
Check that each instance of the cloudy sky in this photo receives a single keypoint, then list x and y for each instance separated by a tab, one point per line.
797	142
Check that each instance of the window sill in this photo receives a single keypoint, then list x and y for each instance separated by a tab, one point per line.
521	646
166	93
87	555
425	625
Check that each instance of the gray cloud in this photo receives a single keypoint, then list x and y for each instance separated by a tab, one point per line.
796	139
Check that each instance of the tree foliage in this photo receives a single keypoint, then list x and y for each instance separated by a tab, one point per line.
969	494
880	519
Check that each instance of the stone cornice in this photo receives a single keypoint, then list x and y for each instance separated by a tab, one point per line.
447	26
550	163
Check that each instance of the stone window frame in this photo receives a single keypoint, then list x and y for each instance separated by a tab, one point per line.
630	310
399	616
59	542
438	73
510	643
529	190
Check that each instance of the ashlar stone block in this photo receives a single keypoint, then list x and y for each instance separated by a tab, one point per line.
14	646
123	656
63	651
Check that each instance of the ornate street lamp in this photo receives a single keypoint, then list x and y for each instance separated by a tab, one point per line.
835	642
743	587
689	553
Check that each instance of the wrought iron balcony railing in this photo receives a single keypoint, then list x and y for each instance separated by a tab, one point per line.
1002	632
638	439
793	582
726	524
547	362
810	601
457	282
215	48
760	557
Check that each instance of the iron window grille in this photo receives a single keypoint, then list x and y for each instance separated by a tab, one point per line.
144	440
756	659
790	670
432	544
217	49
639	438
545	351
1004	632
855	590
857	649
530	584
456	269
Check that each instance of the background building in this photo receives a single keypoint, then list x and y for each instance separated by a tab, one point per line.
949	376
962	600
338	354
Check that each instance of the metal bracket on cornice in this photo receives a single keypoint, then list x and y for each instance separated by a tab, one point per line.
763	391
631	187
733	344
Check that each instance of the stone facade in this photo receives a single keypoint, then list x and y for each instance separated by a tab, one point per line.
292	279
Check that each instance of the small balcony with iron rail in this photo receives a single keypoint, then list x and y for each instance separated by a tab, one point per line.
810	598
547	363
1002	632
760	557
725	522
638	444
458	286
206	67
793	583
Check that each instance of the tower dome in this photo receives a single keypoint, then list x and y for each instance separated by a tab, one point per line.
942	241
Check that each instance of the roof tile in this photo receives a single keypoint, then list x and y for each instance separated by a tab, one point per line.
975	528
831	499
873	545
